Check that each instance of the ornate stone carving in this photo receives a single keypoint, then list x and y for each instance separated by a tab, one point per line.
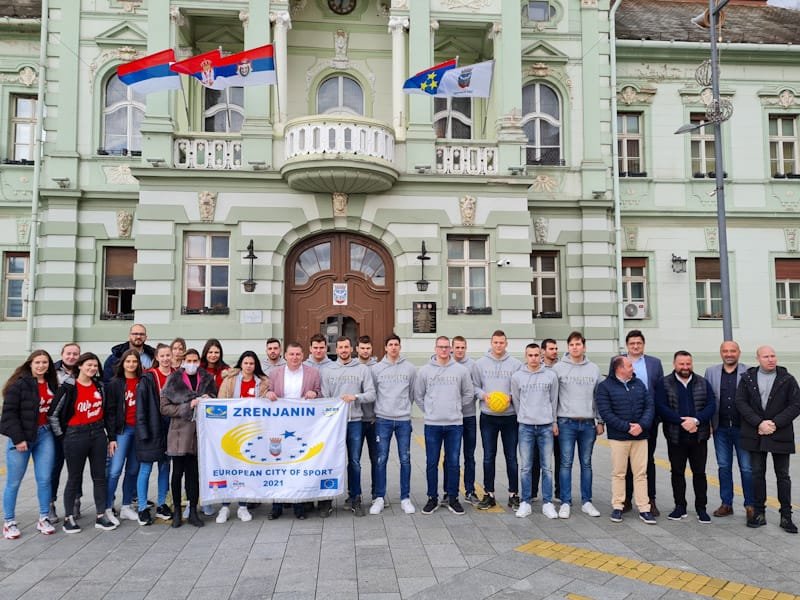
539	70
26	76
792	239
434	25
396	23
339	200
124	224
297	7
23	231
495	31
658	73
630	95
399	3
544	183
712	238
124	53
631	237
340	39
119	174
281	18
467	204
541	229
207	201
130	6
176	16
784	98
244	17
470	4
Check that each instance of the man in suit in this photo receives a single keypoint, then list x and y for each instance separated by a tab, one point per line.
649	371
726	428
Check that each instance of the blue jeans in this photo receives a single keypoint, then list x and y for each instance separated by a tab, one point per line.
143	482
125	455
384	428
43	452
368	435
726	439
355	442
541	438
508	428
469	437
584	433
435	436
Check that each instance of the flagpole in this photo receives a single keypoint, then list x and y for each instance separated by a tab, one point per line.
227	105
486	104
185	104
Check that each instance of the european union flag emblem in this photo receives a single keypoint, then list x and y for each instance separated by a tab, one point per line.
329	484
216	411
427	81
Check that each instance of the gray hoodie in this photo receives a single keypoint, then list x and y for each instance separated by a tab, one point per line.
352	378
442	392
490	374
577	383
368	410
535	395
394	387
326	362
469	411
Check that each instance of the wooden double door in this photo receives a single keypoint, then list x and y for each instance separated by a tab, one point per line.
339	284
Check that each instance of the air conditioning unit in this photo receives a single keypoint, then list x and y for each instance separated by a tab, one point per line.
635	310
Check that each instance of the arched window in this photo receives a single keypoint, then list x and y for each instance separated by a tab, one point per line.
541	122
123	113
452	118
224	110
340	94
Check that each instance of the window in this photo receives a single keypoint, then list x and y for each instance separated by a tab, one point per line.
540	11
367	262
630	145
224	110
452	118
708	289
545	285
541	122
467	275
702	140
312	261
23	127
783	155
634	287
340	94
118	283
207	263
15	280
122	119
787	287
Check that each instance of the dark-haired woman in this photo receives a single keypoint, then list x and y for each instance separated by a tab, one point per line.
121	393
81	414
178	347
27	396
211	360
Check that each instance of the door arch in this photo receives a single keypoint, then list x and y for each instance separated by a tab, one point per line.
366	270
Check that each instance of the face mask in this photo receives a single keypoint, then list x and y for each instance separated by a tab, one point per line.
190	368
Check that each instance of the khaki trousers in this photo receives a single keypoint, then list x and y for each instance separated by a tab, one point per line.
636	452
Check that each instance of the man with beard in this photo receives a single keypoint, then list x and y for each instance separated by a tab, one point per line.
136	341
274	358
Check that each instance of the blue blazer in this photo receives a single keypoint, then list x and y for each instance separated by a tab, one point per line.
713	375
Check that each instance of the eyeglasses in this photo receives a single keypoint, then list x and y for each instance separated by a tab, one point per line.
139	334
443	347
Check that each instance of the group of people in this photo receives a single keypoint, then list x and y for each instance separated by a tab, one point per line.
137	410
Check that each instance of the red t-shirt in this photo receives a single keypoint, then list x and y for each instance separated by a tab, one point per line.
130	400
161	379
216	372
88	405
45	399
248	389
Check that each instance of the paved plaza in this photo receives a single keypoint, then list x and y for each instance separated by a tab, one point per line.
479	554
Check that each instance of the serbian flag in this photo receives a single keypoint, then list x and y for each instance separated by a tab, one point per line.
472	81
151	73
251	67
428	81
203	67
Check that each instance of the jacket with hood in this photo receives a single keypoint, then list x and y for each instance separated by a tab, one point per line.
577	383
394	388
442	392
352	378
151	425
176	398
20	418
490	374
117	352
469	364
63	409
535	396
228	387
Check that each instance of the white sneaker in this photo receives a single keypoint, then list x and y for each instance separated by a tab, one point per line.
407	506
10	530
45	526
126	512
243	514
223	514
524	510
590	510
377	506
113	518
549	511
563	512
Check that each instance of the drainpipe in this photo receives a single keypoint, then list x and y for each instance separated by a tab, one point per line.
615	175
38	158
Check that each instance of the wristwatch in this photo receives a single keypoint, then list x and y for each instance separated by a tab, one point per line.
697	421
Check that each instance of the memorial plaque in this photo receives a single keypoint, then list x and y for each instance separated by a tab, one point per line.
424	317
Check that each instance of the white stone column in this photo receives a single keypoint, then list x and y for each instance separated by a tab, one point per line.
397	27
283	23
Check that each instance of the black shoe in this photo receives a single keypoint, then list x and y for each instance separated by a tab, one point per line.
325	508
472	498
455	507
273	516
678	513
787	525
513	502
758	520
194	518
104	523
70	526
144	517
177	520
163	512
445	500
431	506
487	502
356	507
301	517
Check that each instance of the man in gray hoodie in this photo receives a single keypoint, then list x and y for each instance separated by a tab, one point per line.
578	421
394	386
351	381
492	373
441	389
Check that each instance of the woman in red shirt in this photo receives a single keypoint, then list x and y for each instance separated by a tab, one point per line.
27	397
81	414
211	360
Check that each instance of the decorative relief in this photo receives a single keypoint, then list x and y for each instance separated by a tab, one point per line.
340	39
788	200
544	183
434	25
470	4
23	231
339	200
398	24
244	17
297	7
629	198
124	224
631	237
207	202
495	31
130	6
695	97
712	239
119	174
541	229
26	76
399	3
124	53
659	73
468	205
791	235
281	19
783	99
176	16
631	95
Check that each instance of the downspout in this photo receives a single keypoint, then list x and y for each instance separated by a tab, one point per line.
612	30
38	158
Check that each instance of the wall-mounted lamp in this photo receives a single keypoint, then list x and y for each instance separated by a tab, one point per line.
422	168
157	162
422	284
517	170
678	264
250	284
258	165
63	182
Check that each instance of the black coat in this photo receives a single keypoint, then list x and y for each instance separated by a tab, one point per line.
20	418
151	426
783	407
63	409
115	397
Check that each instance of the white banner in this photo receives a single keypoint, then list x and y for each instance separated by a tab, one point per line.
287	450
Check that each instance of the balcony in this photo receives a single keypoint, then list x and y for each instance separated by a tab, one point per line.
465	159
339	153
207	151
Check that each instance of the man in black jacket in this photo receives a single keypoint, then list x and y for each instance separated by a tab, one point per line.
137	336
768	401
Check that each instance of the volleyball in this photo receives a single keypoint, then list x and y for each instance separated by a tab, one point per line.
497	402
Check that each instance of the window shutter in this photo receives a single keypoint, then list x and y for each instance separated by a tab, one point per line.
706	268
119	268
634	262
787	268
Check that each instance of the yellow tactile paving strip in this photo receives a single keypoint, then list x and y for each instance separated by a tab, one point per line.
649	573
